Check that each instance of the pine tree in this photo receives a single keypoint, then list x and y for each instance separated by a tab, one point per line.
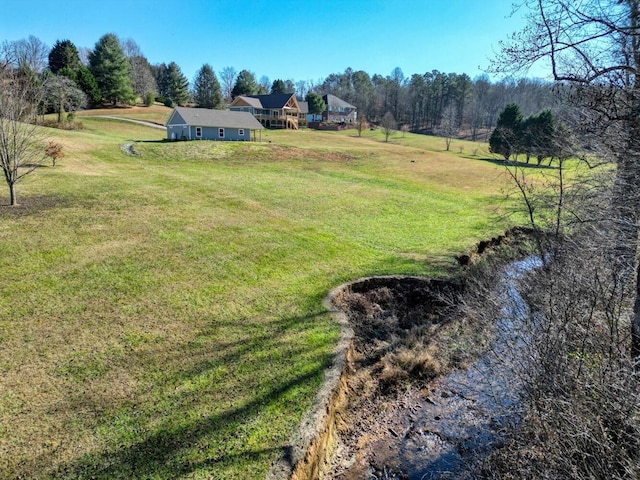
110	67
316	103
245	84
278	87
177	84
87	83
206	89
505	137
64	55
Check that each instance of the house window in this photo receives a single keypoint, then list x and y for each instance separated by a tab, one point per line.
198	132
221	132
241	132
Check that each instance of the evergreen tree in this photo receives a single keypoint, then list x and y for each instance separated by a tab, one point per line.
505	137
177	85
537	136
161	74
316	103
64	55
206	89
278	87
110	68
245	84
87	83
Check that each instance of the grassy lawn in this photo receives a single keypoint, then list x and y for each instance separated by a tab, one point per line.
161	317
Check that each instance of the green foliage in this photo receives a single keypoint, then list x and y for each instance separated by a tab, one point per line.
278	87
177	84
536	136
245	84
540	136
110	67
64	55
88	84
149	99
504	139
206	89
316	103
160	73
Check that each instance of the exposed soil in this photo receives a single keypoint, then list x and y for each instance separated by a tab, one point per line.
425	427
402	400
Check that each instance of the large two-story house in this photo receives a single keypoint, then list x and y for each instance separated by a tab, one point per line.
272	111
338	111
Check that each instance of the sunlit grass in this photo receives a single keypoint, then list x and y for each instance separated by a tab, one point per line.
161	316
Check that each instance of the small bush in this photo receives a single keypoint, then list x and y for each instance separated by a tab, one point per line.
149	99
54	152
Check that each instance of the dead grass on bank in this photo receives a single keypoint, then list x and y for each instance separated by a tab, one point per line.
409	330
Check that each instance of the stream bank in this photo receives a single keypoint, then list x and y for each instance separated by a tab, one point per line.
390	407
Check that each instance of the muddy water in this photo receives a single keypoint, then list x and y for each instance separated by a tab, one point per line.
443	430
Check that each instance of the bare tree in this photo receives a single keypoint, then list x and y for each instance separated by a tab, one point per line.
21	148
28	52
264	84
448	126
227	81
361	124
389	125
62	94
142	79
302	88
595	47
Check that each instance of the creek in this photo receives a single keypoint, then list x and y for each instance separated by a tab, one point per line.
444	430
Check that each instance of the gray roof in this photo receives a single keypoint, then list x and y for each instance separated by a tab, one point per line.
336	102
204	117
254	102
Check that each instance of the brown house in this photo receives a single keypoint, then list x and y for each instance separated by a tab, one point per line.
272	111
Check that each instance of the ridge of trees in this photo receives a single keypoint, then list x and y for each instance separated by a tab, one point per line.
435	102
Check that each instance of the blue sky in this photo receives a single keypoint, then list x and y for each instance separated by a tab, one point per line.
287	39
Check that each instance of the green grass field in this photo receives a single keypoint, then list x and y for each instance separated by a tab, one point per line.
161	316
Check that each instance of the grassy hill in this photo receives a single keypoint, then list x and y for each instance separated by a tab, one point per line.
160	314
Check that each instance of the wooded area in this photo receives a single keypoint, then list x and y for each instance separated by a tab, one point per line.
116	71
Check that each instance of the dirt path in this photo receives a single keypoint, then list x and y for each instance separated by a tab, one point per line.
124	119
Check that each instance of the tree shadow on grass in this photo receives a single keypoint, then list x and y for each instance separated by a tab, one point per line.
179	441
165	453
31	204
511	163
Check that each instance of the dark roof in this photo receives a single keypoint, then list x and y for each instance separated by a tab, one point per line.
204	117
336	102
277	100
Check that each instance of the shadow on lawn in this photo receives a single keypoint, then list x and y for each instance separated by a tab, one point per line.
511	163
176	448
31	204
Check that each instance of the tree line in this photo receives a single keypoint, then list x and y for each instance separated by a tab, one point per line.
116	71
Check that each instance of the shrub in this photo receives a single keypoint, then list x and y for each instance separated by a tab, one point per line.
149	99
54	151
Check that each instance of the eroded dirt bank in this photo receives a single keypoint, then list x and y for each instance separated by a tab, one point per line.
400	337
